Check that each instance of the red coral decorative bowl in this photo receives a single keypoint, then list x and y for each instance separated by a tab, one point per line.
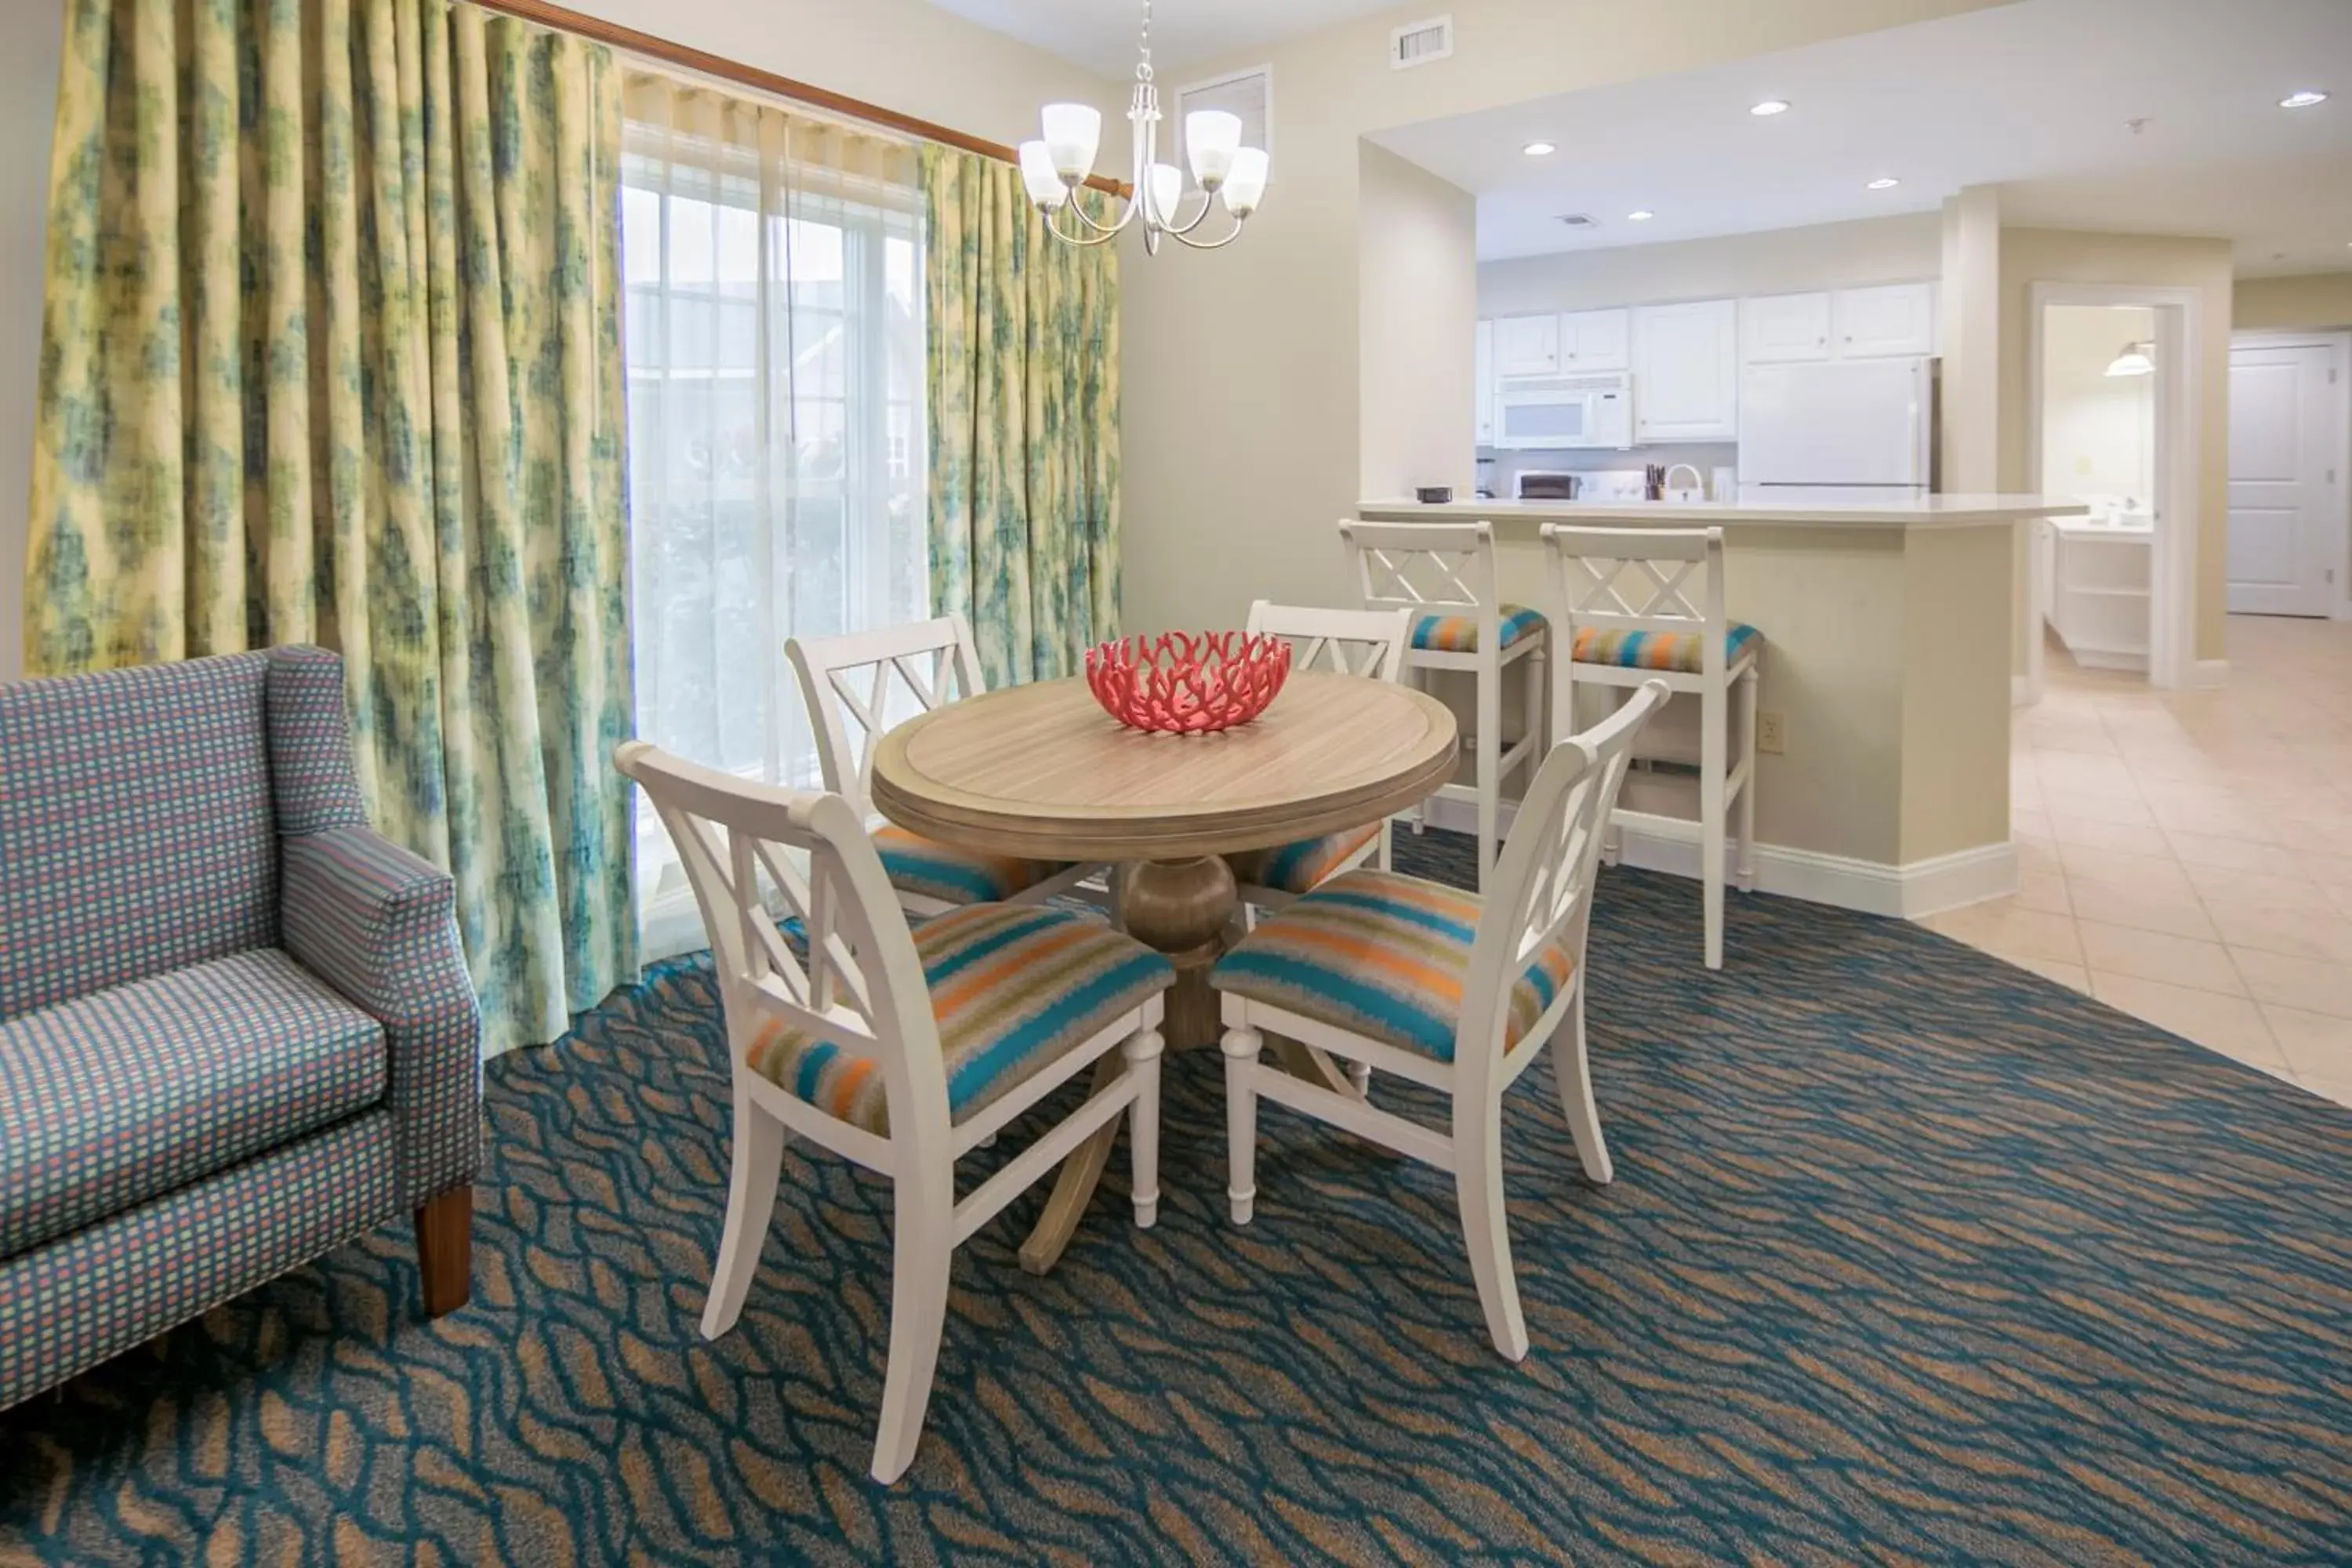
1188	683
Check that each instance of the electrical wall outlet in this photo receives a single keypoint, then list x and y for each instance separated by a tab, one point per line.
1772	733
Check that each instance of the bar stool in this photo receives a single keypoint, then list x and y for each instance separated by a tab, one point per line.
1634	616
1444	573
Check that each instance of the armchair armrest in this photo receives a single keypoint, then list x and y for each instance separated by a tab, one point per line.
377	923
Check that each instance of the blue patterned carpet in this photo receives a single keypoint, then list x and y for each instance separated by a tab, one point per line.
1911	1258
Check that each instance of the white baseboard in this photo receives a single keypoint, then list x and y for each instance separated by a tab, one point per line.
2103	658
2208	675
1671	845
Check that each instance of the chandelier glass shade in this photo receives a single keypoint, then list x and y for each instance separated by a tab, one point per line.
1055	166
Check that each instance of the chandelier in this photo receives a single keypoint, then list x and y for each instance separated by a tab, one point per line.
1054	168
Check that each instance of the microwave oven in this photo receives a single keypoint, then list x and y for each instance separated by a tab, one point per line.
1565	411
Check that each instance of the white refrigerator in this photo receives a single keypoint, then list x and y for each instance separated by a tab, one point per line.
1839	429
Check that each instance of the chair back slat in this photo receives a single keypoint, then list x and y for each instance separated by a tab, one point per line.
1427	568
858	685
756	856
1368	643
1540	894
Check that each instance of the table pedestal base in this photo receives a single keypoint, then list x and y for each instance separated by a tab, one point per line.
1182	909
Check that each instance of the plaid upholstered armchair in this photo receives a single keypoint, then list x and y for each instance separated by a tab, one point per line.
236	1029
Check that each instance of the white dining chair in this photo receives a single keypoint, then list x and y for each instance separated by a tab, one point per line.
1366	643
1443	574
901	1050
1635	615
856	687
1454	990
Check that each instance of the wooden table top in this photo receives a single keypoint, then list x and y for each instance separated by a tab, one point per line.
1042	772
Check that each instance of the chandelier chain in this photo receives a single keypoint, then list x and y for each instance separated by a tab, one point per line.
1144	69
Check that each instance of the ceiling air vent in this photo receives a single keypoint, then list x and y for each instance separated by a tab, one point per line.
1422	43
1580	220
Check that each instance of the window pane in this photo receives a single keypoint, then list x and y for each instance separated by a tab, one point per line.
776	446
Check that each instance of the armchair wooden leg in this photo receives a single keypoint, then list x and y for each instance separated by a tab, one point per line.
444	1250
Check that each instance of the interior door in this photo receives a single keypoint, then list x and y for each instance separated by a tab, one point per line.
2285	537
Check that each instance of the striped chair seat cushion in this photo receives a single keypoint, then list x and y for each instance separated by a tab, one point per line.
1459	634
1016	988
1302	867
1383	956
935	870
1678	652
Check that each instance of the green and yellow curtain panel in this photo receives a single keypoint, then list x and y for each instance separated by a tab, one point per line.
1022	390
332	353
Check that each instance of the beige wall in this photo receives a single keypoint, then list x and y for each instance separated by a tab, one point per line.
1901	249
2098	431
1417	272
2030	256
28	94
1970	302
1243	374
2294	304
1955	694
902	54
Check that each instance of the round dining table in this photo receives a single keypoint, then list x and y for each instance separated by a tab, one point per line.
1041	771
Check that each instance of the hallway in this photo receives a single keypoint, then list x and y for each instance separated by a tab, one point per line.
2187	858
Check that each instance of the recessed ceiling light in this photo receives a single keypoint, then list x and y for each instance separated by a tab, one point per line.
2302	99
1772	106
1884	182
1539	149
1640	215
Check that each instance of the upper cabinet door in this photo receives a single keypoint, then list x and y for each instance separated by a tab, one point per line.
1898	318
1484	381
1527	345
1778	329
1595	339
1687	372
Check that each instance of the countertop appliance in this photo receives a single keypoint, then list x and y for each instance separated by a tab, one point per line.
1563	413
1544	484
1853	430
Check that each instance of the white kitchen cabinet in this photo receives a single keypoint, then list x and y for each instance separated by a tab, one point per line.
1484	383
1595	339
1687	372
1782	328
1527	345
1896	319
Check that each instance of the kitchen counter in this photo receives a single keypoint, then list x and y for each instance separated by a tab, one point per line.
1887	631
1926	512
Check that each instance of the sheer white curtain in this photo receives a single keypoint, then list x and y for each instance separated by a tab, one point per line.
774	328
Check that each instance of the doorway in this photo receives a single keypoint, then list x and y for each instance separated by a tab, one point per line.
2098	447
2288	429
2111	382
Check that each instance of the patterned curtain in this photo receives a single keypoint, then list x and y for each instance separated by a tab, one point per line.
1022	340
332	353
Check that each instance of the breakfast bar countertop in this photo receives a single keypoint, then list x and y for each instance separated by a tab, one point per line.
1752	507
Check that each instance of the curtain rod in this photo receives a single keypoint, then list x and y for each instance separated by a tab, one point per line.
565	20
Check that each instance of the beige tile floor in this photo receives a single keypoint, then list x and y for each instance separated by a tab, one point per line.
2187	858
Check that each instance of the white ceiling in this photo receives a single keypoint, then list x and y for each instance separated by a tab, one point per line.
2033	97
1101	35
